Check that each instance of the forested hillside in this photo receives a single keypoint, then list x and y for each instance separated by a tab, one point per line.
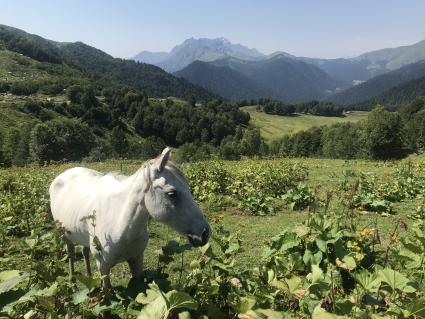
148	78
278	77
223	80
69	101
396	96
378	85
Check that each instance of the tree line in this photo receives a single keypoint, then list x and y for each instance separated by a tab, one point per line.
383	135
277	107
115	122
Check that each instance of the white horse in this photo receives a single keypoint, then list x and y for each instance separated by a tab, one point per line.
108	214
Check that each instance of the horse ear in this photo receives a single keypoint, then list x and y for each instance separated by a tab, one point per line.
163	159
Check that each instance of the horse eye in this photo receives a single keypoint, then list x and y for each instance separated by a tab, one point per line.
172	194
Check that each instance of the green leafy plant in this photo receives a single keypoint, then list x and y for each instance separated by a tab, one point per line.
298	198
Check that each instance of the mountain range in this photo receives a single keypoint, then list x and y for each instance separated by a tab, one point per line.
240	79
202	49
238	72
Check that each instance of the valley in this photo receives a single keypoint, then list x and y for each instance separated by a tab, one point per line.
274	127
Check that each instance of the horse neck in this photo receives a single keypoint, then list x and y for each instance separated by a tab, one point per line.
133	216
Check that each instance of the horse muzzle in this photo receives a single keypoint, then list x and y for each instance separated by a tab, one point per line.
196	240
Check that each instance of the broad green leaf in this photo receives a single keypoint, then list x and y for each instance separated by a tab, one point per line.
177	299
396	280
206	250
293	284
320	313
155	309
321	244
31	242
9	274
184	315
316	274
9	279
270	275
310	259
301	230
151	295
350	262
245	304
49	291
80	296
89	282
369	282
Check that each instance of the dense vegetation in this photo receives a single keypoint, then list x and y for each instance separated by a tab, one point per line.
111	123
314	107
383	135
338	263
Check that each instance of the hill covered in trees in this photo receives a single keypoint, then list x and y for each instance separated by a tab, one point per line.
99	65
279	77
223	80
380	84
64	101
396	96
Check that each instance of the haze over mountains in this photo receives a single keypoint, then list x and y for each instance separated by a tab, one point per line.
197	49
269	77
237	72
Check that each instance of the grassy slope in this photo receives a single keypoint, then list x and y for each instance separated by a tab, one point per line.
275	126
254	231
15	67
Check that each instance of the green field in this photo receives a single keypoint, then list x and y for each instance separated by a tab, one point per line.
275	126
29	244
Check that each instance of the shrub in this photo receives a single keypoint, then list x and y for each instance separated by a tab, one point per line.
60	139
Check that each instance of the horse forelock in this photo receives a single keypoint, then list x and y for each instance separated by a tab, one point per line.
145	169
175	170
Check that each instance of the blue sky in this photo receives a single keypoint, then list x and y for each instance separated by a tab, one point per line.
314	28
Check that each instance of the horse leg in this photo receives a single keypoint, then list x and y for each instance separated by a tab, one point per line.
70	248
86	254
136	263
136	266
104	271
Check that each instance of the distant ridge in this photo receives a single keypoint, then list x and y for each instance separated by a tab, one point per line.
378	85
202	49
278	77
